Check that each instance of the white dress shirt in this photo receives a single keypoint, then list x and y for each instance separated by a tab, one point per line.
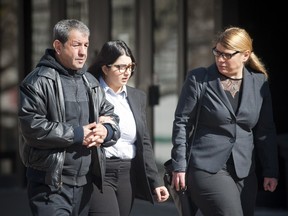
125	147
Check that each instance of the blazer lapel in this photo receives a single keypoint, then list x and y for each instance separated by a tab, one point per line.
247	98
215	84
134	104
131	100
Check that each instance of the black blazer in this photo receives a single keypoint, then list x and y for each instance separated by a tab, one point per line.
147	172
221	131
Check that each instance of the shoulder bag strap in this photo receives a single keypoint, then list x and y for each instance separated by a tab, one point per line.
204	82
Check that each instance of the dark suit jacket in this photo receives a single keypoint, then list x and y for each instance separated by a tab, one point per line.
147	172
221	131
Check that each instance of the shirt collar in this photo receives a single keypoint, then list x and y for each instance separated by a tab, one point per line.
106	88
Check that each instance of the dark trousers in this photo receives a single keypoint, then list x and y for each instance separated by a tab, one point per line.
223	193
118	194
46	200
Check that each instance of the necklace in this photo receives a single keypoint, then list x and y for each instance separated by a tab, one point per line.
229	77
231	85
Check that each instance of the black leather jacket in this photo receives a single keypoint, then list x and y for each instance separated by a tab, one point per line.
42	124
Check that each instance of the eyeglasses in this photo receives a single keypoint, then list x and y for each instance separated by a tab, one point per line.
225	56
122	68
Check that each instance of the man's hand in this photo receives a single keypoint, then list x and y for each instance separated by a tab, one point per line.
94	134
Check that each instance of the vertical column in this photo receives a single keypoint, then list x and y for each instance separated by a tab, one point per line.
182	43
99	24
144	52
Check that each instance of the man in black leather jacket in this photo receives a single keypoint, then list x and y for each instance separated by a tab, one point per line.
63	140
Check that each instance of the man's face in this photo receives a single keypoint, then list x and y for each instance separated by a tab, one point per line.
73	54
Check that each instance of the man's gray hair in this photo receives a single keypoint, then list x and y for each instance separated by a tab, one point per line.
62	29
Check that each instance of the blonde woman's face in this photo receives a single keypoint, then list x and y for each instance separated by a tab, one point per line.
229	62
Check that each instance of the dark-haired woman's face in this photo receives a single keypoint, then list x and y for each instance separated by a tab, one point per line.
119	72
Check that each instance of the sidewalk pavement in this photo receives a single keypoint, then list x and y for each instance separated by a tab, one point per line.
142	208
13	202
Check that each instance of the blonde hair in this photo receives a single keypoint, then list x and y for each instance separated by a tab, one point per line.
238	39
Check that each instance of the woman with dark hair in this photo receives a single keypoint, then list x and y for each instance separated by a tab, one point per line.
131	170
